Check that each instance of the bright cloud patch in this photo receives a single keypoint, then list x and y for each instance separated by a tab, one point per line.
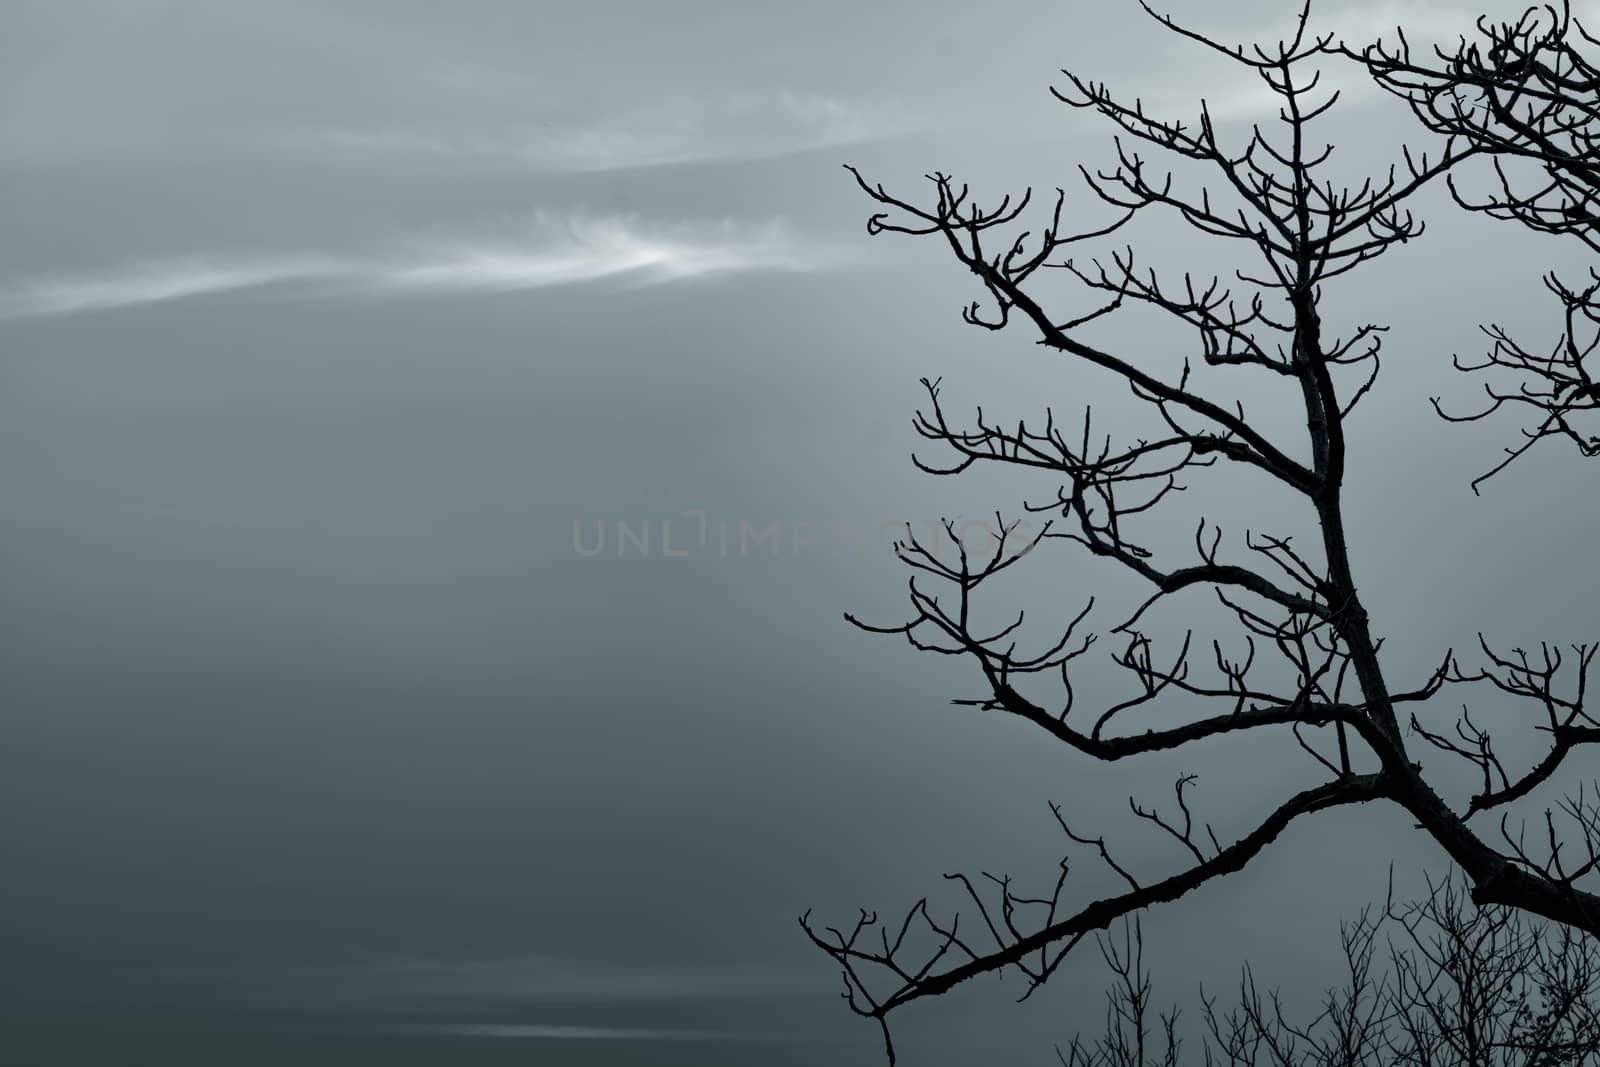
583	250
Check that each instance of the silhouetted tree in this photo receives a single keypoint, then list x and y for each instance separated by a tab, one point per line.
1301	602
1456	986
1527	91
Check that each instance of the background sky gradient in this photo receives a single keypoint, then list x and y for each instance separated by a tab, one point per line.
322	328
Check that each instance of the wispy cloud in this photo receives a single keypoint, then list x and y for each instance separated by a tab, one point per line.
737	127
553	252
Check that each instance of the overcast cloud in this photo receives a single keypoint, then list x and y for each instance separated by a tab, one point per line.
324	327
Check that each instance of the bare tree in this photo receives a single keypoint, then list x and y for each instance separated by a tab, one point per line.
1453	986
1296	603
1527	92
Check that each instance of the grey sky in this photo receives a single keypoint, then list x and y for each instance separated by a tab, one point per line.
322	326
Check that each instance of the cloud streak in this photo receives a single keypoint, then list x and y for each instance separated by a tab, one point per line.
543	978
384	980
154	282
737	127
559	1032
554	252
